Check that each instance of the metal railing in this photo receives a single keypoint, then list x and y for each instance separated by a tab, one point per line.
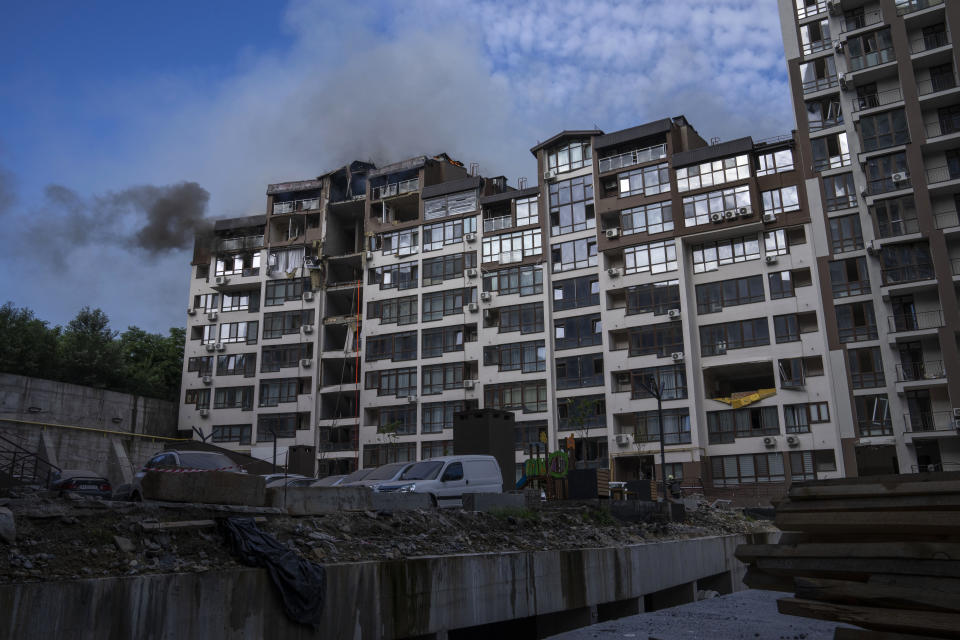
907	273
895	228
929	41
942	174
916	321
238	244
935	467
496	224
833	162
943	127
630	158
820	84
872	59
868	379
879	99
24	466
946	219
817	45
295	206
826	123
654	436
935	84
396	188
871	428
909	6
885	185
918	371
859	22
916	422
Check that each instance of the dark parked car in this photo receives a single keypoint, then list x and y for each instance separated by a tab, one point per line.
183	461
82	481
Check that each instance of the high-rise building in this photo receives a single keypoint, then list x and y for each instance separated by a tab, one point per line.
877	104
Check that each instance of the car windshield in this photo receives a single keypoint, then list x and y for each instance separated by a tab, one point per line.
426	470
205	460
359	474
386	472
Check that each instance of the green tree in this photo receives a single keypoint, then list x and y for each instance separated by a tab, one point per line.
88	352
151	362
27	345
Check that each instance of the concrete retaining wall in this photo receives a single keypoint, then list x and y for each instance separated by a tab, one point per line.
303	501
213	487
437	596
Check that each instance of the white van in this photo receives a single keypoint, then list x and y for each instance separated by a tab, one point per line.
447	478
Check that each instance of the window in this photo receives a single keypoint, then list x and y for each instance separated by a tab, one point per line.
581	413
896	217
815	36
653	257
823	113
528	211
781	285
438	235
575	254
804	465
676	426
397	310
437	416
576	372
392	346
571	206
866	368
819	74
436	448
206	333
530	397
281	323
206	302
397	276
286	260
870	49
717	339
239	332
799	417
285	425
527	357
873	415
512	247
774	162
658	339
697	209
526	280
781	200
284	356
724	427
376	455
576	293
241	301
399	243
656	298
856	322
200	398
573	155
233	398
651	218
203	272
453	204
577	331
527	437
710	256
849	277
436	270
884	130
840	191
280	291
713	297
880	172
648	181
393	382
775	243
795	371
450	302
242	264
525	318
441	340
398	420
282	390
670	379
244	364
750	468
239	433
830	152
846	234
788	327
441	377
203	365
906	263
713	173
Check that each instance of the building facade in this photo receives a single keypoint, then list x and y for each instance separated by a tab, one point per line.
877	104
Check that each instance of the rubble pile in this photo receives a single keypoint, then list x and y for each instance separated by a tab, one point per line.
60	538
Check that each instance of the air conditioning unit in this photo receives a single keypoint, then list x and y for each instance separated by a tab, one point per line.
473	307
843	82
412	399
613	272
730	215
222	280
219	346
191	311
838	46
207	380
677	356
485	296
846	81
716	216
204	413
770	259
834	7
308	296
622	439
872	248
307	328
793	441
745	212
209	346
211	315
769	442
469	384
549	175
306	363
673	314
899	176
471	273
470	237
613	232
769	218
369	255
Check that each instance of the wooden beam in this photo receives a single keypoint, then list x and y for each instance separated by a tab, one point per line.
867	522
936	623
874	595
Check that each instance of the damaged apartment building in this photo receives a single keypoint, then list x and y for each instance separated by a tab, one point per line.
792	298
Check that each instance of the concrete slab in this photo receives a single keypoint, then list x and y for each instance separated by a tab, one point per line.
488	501
213	487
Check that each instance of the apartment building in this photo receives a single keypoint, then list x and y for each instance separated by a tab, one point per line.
877	103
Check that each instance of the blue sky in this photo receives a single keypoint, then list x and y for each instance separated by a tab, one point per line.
103	98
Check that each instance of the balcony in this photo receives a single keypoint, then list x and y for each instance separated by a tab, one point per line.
897	228
945	173
929	421
872	59
935	85
811	9
396	188
630	158
820	84
916	321
929	42
862	21
873	429
920	371
239	244
888	184
943	127
296	206
497	224
879	99
947	219
817	45
955	266
905	7
907	273
653	435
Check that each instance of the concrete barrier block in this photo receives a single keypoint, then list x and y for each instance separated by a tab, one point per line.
213	487
488	501
303	501
400	501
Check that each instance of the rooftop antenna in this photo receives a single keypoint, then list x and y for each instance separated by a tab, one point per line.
474	168
714	140
522	182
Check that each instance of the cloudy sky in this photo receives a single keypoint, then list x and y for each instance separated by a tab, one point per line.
123	123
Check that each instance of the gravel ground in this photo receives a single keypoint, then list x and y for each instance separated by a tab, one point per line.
744	615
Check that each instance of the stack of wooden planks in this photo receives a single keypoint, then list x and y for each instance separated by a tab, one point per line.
879	552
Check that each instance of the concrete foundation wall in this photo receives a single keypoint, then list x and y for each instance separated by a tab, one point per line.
398	599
